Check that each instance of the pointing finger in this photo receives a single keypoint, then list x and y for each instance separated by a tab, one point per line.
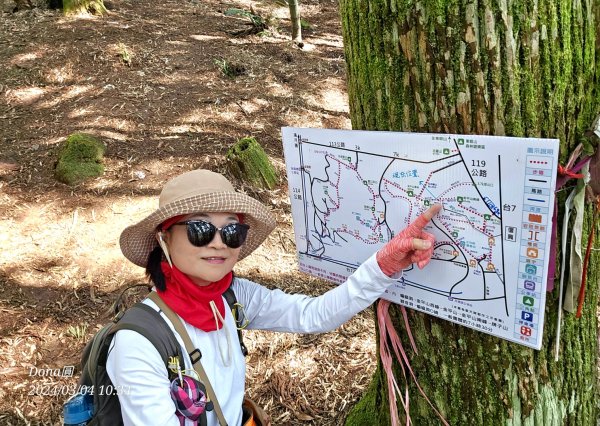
415	228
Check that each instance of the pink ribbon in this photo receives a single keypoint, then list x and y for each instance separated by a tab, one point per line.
565	174
387	333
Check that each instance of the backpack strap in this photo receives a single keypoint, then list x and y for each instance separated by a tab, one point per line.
193	352
148	322
238	316
138	318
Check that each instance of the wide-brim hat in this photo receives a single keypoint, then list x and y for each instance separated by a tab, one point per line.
194	192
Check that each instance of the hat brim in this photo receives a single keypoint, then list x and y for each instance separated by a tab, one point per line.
137	241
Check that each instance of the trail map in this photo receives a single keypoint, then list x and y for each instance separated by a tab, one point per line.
351	191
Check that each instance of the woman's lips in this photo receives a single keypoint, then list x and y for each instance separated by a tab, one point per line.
214	260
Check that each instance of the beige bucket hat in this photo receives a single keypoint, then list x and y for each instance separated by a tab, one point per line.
193	192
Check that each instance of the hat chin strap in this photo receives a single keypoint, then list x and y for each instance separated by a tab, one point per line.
217	315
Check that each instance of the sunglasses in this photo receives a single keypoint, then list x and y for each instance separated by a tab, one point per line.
200	233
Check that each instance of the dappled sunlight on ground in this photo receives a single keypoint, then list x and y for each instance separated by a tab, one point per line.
25	95
26	57
151	81
70	94
60	75
203	37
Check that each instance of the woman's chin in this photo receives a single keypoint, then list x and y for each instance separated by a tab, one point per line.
207	278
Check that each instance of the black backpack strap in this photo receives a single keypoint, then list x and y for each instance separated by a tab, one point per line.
238	316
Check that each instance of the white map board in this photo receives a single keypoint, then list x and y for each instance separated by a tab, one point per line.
351	191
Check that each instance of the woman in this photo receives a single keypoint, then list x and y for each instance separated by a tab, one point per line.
189	247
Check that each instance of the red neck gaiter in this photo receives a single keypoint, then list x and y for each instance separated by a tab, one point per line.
192	302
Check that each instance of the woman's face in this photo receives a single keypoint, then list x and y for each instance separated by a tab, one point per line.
208	263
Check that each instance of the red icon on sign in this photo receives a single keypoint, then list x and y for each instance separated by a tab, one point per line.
532	252
537	218
525	331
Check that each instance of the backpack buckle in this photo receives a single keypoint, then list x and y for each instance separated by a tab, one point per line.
118	316
195	356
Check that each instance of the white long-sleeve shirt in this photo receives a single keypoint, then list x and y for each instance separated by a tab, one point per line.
137	370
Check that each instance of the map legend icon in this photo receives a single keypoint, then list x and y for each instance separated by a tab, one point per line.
526	316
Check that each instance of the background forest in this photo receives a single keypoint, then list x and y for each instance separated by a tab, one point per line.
168	86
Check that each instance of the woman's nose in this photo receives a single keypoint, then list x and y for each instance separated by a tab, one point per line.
217	241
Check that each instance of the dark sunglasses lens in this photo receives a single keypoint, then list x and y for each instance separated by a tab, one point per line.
200	233
234	235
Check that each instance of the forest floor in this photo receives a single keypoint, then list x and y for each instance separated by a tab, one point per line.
168	87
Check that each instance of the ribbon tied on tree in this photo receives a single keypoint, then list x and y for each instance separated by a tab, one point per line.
572	298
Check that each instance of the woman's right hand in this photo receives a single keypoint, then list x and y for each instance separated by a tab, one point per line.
411	245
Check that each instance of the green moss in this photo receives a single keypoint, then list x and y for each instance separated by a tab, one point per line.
371	409
95	7
248	161
407	60
79	158
549	410
545	66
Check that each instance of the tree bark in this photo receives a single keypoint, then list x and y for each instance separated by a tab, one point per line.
295	18
247	161
95	7
507	67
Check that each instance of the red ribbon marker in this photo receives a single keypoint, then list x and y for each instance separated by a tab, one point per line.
565	174
563	171
588	251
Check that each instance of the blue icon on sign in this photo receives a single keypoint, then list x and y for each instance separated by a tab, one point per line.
529	285
526	316
530	269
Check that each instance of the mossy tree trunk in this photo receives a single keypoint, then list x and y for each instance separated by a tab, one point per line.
248	161
95	7
507	67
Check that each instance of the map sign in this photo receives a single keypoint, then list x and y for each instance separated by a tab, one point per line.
351	191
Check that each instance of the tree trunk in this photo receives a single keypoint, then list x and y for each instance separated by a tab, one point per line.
296	24
507	67
247	161
95	7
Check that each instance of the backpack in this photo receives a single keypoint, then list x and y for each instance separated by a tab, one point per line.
94	377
